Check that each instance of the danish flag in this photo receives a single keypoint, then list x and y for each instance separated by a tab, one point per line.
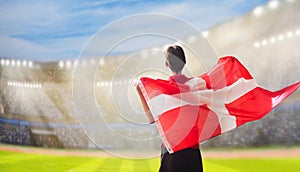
218	101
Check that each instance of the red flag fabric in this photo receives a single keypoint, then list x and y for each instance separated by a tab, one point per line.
206	106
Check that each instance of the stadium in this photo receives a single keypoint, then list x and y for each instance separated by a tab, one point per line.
38	106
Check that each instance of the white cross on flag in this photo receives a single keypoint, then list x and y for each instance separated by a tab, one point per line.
206	106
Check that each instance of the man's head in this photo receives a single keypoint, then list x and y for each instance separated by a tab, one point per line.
175	58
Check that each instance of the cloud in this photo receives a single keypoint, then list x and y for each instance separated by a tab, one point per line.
207	14
31	17
59	29
138	32
51	50
18	48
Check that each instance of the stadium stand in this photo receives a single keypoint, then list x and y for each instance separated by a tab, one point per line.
1	105
1	109
15	134
266	43
39	96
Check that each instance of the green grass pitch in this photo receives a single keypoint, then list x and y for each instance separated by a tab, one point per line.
15	161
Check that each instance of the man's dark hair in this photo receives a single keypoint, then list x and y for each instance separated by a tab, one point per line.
175	58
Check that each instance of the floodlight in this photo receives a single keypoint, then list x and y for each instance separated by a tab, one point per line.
61	64
30	64
258	11
273	4
280	37
289	34
24	63
18	63
68	64
205	34
264	42
257	44
273	40
7	62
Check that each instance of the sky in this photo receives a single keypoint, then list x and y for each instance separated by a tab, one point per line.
53	30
